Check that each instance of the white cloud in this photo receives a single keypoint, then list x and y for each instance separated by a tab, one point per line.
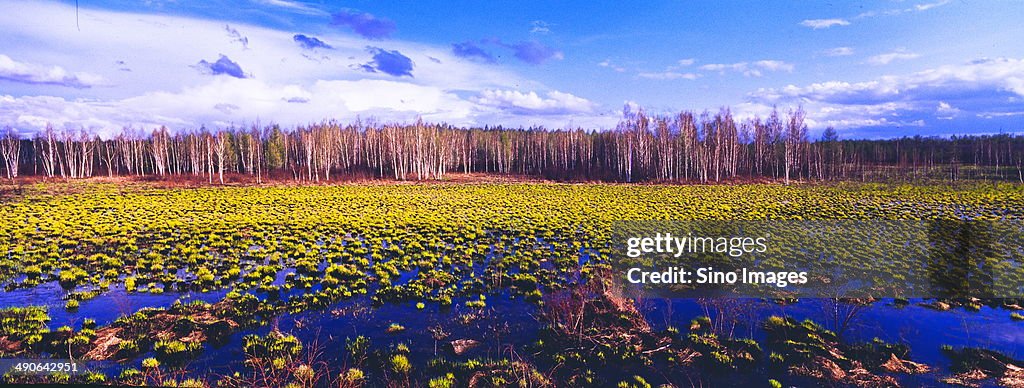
288	85
908	99
824	23
293	6
555	103
945	111
228	101
608	63
1001	74
773	65
723	67
838	51
28	73
899	11
991	115
754	69
821	115
669	75
897	55
540	27
927	6
232	101
672	72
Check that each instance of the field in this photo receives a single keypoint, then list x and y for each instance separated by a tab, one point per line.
484	284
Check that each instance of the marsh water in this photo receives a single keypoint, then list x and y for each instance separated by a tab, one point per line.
509	323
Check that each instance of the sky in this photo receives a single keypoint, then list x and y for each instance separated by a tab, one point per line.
870	69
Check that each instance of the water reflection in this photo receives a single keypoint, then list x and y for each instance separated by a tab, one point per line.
962	258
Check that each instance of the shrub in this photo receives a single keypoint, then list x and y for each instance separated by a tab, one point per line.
358	348
446	381
400	364
92	377
353	375
130	374
150	363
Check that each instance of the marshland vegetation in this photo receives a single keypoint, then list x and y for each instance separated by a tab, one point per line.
446	284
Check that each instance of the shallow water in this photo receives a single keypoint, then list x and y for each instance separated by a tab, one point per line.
511	321
104	308
922	329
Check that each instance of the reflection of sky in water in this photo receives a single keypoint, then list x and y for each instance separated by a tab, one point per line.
926	330
104	308
922	329
1012	333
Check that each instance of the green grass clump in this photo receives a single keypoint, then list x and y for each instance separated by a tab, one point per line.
175	351
274	345
24	323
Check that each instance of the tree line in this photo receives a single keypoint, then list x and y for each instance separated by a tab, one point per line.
689	147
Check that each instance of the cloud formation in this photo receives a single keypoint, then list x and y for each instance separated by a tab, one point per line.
14	71
750	69
669	75
540	27
927	6
838	51
534	52
945	111
388	62
824	23
897	55
608	63
310	42
471	50
364	24
530	51
169	85
237	36
293	6
223	65
977	88
555	102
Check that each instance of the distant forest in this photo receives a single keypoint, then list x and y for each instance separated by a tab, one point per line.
687	147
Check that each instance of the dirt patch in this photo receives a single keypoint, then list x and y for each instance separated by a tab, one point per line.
105	345
198	324
286	178
896	365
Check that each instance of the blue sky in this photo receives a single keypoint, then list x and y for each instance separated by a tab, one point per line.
871	69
